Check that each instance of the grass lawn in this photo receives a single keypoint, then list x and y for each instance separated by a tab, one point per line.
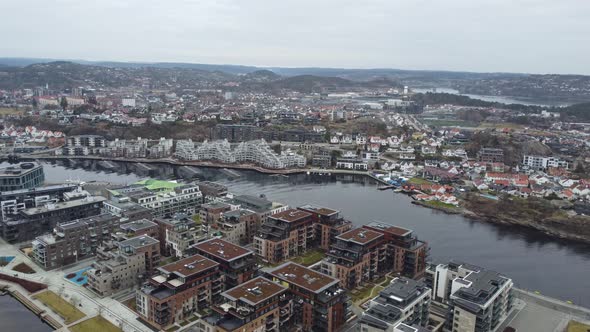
574	326
10	111
418	181
309	258
60	306
95	324
500	125
438	204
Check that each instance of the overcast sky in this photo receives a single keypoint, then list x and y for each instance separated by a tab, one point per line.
537	36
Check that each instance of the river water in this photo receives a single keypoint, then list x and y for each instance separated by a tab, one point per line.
16	317
557	268
501	99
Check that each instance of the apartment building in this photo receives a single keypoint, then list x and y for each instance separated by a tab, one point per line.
210	213
262	206
319	303
91	141
490	155
179	290
22	176
36	221
329	224
12	202
118	268
358	256
285	235
140	227
478	300
71	241
405	301
236	133
212	189
181	232
259	305
237	226
237	264
406	254
543	163
124	208
166	198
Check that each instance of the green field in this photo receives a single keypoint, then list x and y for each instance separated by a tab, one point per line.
574	326
60	306
95	324
10	111
309	258
418	181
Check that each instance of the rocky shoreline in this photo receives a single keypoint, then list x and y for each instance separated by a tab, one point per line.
575	228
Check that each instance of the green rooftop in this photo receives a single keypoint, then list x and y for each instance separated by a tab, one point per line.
158	185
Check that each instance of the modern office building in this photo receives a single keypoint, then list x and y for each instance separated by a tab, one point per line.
72	241
179	290
237	264
406	254
358	256
259	305
319	303
285	235
22	176
478	300
404	301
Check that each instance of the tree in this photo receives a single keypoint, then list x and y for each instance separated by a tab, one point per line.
63	103
35	103
579	169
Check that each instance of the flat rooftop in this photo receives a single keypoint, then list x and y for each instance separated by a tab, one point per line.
189	266
258	202
360	235
84	221
222	249
215	205
139	241
291	215
481	286
138	225
303	277
323	211
255	291
395	230
237	213
18	170
63	205
404	290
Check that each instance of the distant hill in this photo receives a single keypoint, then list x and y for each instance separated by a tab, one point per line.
263	75
311	83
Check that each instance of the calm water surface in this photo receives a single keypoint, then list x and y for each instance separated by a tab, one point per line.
16	317
535	261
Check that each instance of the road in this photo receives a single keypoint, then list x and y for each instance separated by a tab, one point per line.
112	310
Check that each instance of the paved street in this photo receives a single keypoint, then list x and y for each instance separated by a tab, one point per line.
112	310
